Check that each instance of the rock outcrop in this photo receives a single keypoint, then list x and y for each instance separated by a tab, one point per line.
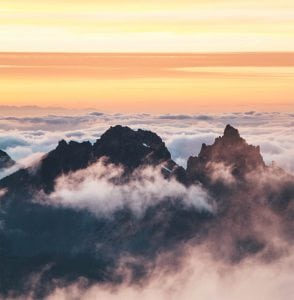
5	160
230	151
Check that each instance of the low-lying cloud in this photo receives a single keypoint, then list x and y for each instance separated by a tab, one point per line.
200	277
98	189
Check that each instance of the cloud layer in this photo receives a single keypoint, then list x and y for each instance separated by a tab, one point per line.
183	134
201	278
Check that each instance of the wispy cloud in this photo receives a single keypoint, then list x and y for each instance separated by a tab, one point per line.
93	188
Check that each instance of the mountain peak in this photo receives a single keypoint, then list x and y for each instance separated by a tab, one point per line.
231	132
122	145
5	160
231	151
62	144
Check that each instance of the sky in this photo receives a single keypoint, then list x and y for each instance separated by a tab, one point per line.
148	56
144	26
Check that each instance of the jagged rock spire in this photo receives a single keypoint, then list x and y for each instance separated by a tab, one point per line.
230	150
231	132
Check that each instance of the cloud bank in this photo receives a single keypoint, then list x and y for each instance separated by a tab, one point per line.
22	136
200	278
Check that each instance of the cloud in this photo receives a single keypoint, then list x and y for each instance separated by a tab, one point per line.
200	277
186	117
75	134
175	117
92	189
29	161
11	142
3	192
34	110
220	172
182	146
97	114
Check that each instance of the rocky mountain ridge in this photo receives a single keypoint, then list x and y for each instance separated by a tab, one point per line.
136	149
119	145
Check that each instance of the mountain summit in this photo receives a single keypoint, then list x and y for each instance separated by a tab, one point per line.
231	133
229	151
122	145
137	148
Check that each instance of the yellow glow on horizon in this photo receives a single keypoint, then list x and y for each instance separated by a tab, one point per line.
160	95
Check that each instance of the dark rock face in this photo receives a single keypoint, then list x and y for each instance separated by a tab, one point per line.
66	157
5	160
133	149
75	244
120	145
130	148
230	150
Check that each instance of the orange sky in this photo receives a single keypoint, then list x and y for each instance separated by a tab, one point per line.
149	82
206	80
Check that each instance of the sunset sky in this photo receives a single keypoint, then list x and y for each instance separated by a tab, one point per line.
258	75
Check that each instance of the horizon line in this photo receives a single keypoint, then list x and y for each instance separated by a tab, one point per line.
149	52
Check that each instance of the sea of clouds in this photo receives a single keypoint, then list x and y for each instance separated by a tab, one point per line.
27	138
